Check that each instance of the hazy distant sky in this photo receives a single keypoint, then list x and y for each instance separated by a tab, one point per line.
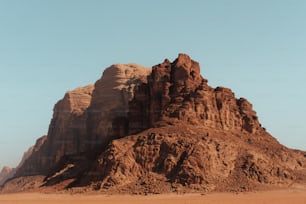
255	47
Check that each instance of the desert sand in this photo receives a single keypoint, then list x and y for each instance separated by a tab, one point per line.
293	196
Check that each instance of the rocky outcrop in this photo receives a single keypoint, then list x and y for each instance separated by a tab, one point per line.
33	159
67	131
66	134
8	172
5	174
177	91
83	119
194	158
39	142
191	135
110	101
165	130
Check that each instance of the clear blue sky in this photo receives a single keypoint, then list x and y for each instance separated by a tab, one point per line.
257	48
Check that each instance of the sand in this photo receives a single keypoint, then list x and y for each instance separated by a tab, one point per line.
292	196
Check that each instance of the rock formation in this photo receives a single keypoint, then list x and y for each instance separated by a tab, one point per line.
191	134
176	91
32	160
5	174
83	119
171	159
139	130
110	100
66	130
8	172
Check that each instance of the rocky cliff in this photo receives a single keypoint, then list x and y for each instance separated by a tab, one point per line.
139	130
8	172
31	161
83	119
110	100
35	148
188	134
66	131
177	91
5	174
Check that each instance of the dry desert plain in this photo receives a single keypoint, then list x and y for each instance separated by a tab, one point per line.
296	195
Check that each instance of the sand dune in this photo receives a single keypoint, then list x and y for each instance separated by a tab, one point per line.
292	196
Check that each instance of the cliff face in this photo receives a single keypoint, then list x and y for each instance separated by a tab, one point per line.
83	119
67	131
66	134
190	135
165	130
8	173
110	100
33	160
177	91
5	174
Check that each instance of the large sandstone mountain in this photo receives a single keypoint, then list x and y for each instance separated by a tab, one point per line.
156	130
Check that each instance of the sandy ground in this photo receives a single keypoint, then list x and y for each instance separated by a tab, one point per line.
292	196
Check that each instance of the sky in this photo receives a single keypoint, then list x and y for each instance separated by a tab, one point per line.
47	47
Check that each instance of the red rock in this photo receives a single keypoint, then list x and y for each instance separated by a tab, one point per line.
161	131
5	174
110	100
83	119
176	91
66	134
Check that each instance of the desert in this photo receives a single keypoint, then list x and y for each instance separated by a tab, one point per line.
153	102
294	195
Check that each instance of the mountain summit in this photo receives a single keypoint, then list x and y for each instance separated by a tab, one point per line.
154	130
